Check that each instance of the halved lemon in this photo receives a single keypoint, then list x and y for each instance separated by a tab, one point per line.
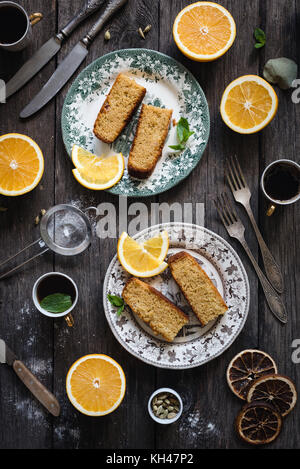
248	104
136	259
96	385
158	246
97	172
204	31
21	164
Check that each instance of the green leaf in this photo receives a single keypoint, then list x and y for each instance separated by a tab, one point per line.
115	300
260	36
56	303
118	302
177	147
120	310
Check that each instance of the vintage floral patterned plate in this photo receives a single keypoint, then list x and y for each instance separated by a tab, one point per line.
169	84
195	345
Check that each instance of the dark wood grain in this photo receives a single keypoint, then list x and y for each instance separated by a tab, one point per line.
49	348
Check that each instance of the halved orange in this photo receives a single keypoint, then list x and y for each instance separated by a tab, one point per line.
204	31
96	385
248	104
21	164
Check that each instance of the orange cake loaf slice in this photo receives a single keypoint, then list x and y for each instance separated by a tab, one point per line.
121	102
198	289
154	308
150	137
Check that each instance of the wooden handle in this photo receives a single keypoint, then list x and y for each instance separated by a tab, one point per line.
38	390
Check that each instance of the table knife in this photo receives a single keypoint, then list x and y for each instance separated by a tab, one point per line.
43	55
71	63
31	382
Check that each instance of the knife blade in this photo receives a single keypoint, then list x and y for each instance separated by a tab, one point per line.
48	50
44	396
71	63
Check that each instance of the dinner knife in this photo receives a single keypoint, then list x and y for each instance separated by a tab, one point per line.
71	63
43	55
31	382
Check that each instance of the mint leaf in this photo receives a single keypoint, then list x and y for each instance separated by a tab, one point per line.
260	36
118	302
177	147
56	303
183	130
120	310
115	300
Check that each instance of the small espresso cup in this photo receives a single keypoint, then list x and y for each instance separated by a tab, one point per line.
16	26
50	283
280	183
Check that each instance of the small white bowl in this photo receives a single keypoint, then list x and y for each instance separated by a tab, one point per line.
165	421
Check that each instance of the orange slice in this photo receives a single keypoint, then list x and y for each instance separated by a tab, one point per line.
158	246
21	164
137	260
97	172
248	104
204	31
96	385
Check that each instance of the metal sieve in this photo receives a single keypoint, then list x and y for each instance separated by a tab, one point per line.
64	229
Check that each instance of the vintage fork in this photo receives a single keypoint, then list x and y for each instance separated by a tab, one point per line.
242	194
236	230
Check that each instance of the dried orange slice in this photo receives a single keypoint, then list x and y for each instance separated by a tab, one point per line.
204	31
245	368
21	164
248	104
96	385
277	390
258	423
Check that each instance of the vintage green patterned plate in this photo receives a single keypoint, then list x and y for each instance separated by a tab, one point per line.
169	84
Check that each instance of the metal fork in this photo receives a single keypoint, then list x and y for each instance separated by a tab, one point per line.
236	230
242	194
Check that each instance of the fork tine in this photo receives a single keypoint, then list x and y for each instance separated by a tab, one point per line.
240	170
231	176
221	213
233	189
230	210
236	173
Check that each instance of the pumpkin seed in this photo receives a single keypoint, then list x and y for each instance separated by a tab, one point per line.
147	29
141	33
107	35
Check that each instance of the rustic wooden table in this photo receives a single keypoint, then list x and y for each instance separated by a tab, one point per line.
49	348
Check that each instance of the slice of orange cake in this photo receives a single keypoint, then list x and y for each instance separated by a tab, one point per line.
121	102
150	137
154	308
198	289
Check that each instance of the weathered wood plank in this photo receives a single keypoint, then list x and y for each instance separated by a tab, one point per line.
281	140
202	423
126	427
25	424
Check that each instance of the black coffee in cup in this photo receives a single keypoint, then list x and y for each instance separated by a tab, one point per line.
13	24
282	182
